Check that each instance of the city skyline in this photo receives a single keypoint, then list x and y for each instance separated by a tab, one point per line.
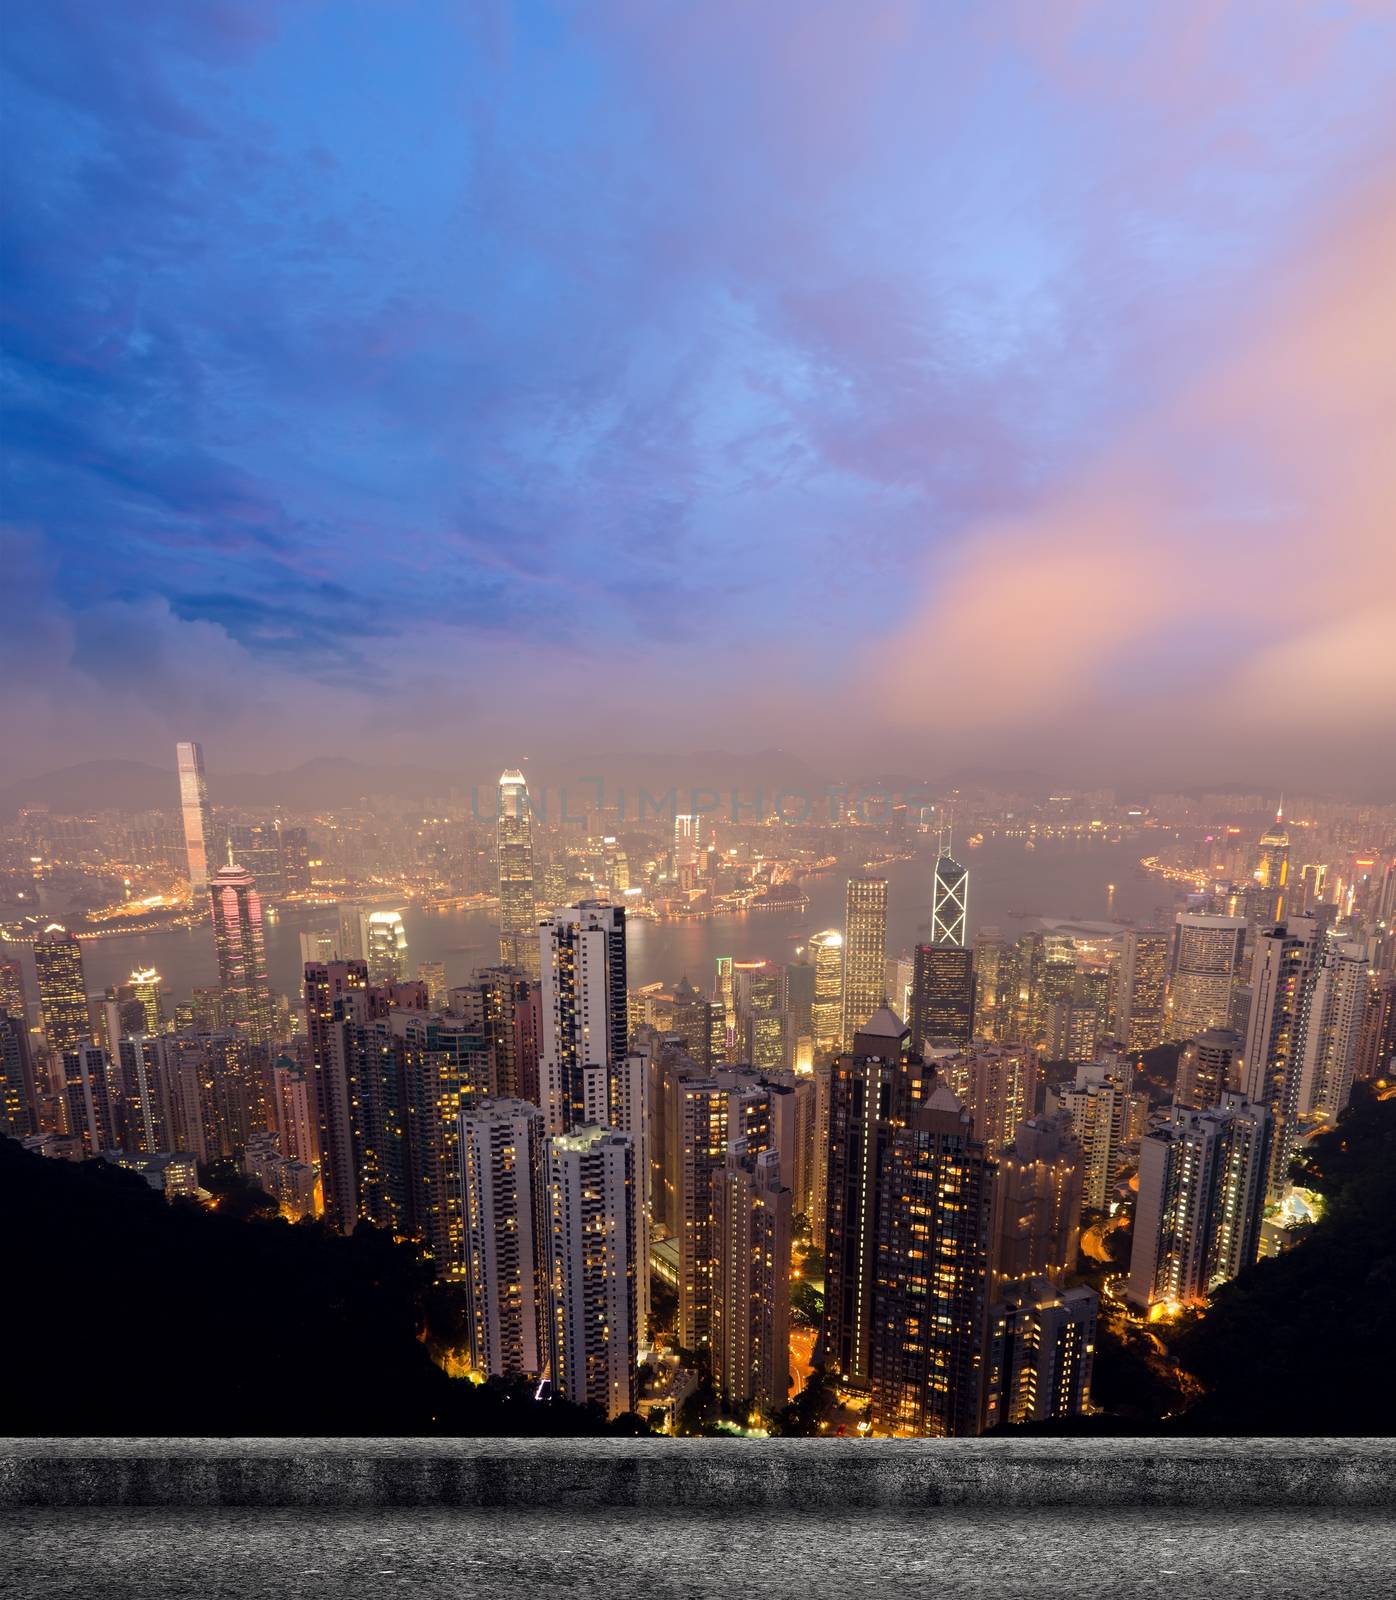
699	719
1047	350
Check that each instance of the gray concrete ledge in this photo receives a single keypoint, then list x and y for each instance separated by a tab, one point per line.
791	1475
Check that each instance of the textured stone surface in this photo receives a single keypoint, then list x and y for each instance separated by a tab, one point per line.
551	1554
695	1475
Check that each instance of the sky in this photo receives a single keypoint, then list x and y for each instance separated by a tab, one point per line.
935	385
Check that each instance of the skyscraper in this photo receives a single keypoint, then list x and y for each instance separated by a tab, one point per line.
949	901
329	1013
1041	1352
1142	989
827	1013
942	996
19	1099
1282	977
751	1279
1099	1105
1202	1184
1207	1066
12	996
62	989
145	987
931	1271
1333	1028
1205	971
1271	900
506	1262
503	1006
385	947
585	1015
864	952
760	992
998	1085
257	846
87	1098
198	818
518	914
873	1087
144	1102
592	1322
1037	1204
240	946
995	985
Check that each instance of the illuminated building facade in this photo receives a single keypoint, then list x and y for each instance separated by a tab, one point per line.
931	1273
949	901
87	1098
62	989
826	950
1282	979
592	1316
331	989
19	1100
750	1328
518	912
1142	989
1099	1106
942	997
505	1237
872	1088
995	985
504	1006
145	988
385	947
1206	969
198	818
585	1012
1271	897
864	952
1036	1220
1207	1066
1202	1186
240	945
998	1085
1040	1355
1333	1029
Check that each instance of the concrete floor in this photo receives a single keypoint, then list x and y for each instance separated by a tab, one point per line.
939	1554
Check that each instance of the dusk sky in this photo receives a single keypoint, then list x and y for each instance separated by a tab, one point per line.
921	384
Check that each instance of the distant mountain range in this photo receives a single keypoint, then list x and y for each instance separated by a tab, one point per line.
341	781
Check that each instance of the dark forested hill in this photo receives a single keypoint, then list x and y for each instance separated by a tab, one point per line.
126	1315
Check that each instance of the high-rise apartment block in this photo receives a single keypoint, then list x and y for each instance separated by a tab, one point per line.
750	1323
592	1265
1041	1350
505	1235
585	1015
1202	1185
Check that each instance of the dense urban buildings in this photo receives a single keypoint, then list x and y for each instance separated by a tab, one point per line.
646	1193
